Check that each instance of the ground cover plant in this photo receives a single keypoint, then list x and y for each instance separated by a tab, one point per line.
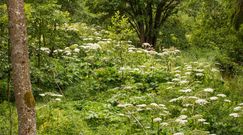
93	79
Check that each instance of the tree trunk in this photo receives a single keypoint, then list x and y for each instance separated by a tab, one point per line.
24	99
149	38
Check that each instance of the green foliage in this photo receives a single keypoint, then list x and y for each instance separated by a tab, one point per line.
120	28
92	81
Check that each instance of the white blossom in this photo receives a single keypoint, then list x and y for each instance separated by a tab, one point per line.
157	119
186	90
46	50
58	99
164	124
240	104
221	95
179	133
199	74
76	50
238	108
201	101
42	94
124	105
227	100
235	115
188	73
201	120
213	98
141	105
154	104
208	90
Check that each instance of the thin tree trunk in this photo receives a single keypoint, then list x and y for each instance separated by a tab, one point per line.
24	99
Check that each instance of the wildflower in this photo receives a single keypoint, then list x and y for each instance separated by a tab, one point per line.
58	99
167	112
214	70
179	133
157	119
180	121
227	100
197	116
92	46
235	115
152	67
164	53
186	90
184	110
129	41
148	108
199	74
142	66
221	95
130	51
170	83
55	95
68	53
127	87
208	90
152	52
181	97
46	50
183	82
173	100
201	120
122	68
199	70
201	101
176	80
205	123
154	105
241	104
188	68
164	124
146	45
161	105
238	108
183	117
213	98
76	50
188	73
138	51
187	105
42	95
177	71
124	105
141	105
121	114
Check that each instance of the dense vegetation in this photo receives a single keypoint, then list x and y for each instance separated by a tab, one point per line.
91	73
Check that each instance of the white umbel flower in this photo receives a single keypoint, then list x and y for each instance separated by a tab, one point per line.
221	95
238	108
186	90
201	101
213	98
157	119
179	133
235	115
208	90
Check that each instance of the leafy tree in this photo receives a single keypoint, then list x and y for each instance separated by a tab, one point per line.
238	15
145	16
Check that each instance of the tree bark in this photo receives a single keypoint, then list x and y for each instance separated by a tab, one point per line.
24	99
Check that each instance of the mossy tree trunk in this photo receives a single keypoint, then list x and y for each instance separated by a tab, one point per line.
25	102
